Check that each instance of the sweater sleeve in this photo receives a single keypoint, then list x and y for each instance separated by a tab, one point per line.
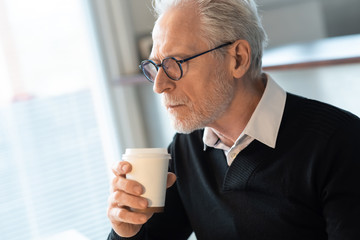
114	236
341	189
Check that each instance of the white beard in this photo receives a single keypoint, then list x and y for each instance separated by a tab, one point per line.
210	108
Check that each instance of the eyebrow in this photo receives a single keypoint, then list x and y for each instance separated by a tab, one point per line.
177	56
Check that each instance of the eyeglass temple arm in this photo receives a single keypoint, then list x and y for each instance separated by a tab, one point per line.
187	59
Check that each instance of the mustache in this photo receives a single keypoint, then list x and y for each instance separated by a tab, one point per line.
171	100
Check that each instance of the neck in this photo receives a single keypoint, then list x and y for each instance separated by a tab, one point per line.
246	97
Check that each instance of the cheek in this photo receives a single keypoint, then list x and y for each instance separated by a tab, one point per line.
198	79
195	93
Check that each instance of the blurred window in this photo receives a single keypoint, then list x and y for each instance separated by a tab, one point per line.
54	174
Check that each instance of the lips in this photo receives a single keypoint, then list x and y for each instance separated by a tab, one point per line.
173	103
172	108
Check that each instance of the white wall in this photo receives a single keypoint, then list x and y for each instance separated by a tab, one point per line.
295	22
142	17
338	85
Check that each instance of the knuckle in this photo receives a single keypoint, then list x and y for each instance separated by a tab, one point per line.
120	198
124	184
120	183
111	199
108	212
111	213
122	214
116	214
114	182
117	196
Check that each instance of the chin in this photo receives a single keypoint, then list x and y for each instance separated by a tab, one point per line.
184	130
186	126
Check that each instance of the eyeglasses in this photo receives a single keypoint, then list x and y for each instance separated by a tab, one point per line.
170	65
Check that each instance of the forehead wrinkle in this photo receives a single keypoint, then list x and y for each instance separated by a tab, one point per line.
176	34
164	49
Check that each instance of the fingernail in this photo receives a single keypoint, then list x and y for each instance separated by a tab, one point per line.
138	189
124	168
144	203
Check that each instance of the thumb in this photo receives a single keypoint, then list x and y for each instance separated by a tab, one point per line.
171	178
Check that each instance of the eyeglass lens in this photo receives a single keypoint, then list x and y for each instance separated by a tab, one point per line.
172	68
169	65
149	69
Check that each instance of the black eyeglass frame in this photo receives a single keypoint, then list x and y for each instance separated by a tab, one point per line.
179	62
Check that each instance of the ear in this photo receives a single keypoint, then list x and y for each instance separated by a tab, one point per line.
240	58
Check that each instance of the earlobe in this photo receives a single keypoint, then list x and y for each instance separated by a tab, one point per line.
241	53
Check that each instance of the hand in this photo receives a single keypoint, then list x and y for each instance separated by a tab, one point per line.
125	194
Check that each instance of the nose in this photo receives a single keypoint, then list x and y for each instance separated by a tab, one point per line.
163	83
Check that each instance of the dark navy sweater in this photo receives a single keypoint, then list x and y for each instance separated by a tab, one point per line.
307	188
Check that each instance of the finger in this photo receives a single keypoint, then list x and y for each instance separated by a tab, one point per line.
120	198
116	214
127	185
171	178
121	168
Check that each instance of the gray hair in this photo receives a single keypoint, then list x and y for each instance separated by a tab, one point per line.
226	21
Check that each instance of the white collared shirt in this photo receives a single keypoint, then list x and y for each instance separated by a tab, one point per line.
263	125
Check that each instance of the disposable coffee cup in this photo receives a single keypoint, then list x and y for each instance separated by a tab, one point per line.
149	168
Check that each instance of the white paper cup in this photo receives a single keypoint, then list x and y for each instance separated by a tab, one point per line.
149	168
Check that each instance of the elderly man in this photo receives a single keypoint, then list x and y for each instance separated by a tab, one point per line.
249	161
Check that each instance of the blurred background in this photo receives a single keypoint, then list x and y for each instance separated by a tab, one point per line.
72	98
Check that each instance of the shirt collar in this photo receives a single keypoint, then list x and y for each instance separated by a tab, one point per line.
265	121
